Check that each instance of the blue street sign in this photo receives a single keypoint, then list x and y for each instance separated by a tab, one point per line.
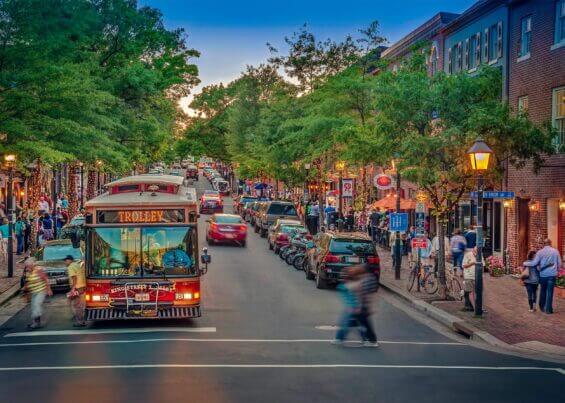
494	195
398	222
420	218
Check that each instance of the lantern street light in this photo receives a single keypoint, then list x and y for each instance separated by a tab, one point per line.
479	154
10	160
397	246
340	167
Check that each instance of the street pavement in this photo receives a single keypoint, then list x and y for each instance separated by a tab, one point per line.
264	337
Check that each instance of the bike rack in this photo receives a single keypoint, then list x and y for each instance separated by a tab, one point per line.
131	301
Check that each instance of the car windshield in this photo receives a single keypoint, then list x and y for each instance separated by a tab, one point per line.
351	246
143	252
211	192
281	209
292	228
247	199
59	252
77	221
228	220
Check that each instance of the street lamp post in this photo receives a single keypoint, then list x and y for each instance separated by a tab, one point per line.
81	185
11	162
479	154
397	252
340	166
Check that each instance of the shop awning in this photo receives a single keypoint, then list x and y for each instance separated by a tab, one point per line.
389	203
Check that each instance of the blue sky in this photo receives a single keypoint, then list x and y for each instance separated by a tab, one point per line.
232	34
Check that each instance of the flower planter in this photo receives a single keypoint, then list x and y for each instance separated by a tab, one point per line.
559	292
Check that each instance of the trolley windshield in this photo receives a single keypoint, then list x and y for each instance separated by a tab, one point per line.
143	252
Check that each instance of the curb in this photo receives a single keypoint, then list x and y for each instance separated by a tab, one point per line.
463	327
9	293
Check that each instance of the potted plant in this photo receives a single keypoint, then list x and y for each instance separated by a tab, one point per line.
495	266
560	283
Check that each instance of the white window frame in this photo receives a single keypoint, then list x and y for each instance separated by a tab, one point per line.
467	60
499	43
559	22
486	45
560	140
478	49
523	33
449	61
521	107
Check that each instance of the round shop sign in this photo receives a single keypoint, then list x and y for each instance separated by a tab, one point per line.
382	181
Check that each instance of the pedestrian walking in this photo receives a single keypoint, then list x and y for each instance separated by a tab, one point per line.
549	261
76	297
471	237
47	227
374	219
457	247
530	279
314	216
19	231
37	288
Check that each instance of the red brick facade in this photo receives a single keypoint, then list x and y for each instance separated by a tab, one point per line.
535	77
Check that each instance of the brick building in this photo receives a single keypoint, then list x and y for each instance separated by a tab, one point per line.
536	85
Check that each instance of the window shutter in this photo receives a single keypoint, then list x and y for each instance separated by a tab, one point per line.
486	45
478	50
467	53
449	63
499	42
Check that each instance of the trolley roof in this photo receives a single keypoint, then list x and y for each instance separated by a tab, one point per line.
183	195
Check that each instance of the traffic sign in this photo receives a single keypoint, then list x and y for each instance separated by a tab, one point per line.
420	220
420	243
382	181
399	222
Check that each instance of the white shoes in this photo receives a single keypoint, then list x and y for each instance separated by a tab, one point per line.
370	344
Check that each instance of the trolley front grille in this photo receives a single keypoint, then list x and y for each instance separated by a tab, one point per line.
112	313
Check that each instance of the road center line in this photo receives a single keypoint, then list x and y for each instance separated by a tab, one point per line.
278	366
155	340
113	331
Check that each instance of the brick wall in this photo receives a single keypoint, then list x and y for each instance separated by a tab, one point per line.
536	78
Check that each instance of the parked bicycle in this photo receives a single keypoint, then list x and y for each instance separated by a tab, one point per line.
418	271
452	283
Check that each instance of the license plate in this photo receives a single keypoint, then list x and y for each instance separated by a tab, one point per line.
230	236
52	281
353	259
142	297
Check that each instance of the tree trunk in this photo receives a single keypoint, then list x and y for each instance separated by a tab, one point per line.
34	192
441	258
91	184
72	190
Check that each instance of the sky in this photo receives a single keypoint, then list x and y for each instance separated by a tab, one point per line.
233	34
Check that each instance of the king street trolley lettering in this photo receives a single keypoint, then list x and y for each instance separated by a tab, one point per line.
139	216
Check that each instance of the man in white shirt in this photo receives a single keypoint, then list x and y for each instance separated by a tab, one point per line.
469	263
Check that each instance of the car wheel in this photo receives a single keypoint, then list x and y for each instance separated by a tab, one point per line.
209	241
298	262
256	229
308	272
243	244
270	245
321	284
263	233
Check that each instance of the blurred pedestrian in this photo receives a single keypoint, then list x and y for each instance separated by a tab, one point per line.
457	246
77	280
47	227
19	231
37	288
530	279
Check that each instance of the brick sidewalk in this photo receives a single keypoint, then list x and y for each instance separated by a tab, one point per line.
505	300
5	282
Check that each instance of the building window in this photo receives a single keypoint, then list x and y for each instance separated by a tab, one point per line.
559	116
459	57
492	41
449	61
559	21
478	49
433	61
467	60
473	52
499	40
525	35
523	104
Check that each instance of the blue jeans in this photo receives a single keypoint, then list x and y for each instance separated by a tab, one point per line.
546	294
457	259
532	290
350	319
20	247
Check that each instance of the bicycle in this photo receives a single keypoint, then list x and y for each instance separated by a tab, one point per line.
421	271
452	283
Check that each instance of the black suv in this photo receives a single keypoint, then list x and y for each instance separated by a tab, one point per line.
333	251
270	212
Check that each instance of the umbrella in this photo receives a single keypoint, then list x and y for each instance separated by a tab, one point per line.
390	203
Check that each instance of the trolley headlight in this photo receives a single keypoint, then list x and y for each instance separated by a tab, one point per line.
100	298
184	296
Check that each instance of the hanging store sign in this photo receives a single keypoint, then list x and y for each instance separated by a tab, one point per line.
382	181
139	216
347	187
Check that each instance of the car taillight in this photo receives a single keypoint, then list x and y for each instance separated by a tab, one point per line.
329	258
243	228
213	226
373	260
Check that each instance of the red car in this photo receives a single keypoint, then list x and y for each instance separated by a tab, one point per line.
211	204
226	228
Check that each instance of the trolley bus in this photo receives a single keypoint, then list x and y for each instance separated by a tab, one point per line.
142	250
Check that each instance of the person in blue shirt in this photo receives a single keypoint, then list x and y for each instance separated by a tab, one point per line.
549	262
4	229
471	237
19	230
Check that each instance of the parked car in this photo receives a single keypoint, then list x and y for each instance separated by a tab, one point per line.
51	258
270	212
333	251
73	230
279	232
211	204
240	202
192	172
221	185
253	211
226	228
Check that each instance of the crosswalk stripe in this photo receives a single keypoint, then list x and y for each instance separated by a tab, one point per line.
113	331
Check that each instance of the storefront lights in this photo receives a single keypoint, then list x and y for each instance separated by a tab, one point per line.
533	205
479	154
562	204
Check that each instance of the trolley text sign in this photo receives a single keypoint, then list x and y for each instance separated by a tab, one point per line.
139	216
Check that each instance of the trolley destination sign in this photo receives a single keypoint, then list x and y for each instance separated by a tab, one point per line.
140	216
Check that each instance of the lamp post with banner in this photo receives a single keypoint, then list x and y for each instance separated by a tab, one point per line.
11	164
479	154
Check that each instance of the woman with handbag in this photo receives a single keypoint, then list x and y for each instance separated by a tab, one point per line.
530	279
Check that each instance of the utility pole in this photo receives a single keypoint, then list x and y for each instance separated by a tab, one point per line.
397	254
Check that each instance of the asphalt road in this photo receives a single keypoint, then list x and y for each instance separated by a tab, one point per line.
263	337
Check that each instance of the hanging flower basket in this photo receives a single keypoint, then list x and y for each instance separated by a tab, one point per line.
560	284
495	266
